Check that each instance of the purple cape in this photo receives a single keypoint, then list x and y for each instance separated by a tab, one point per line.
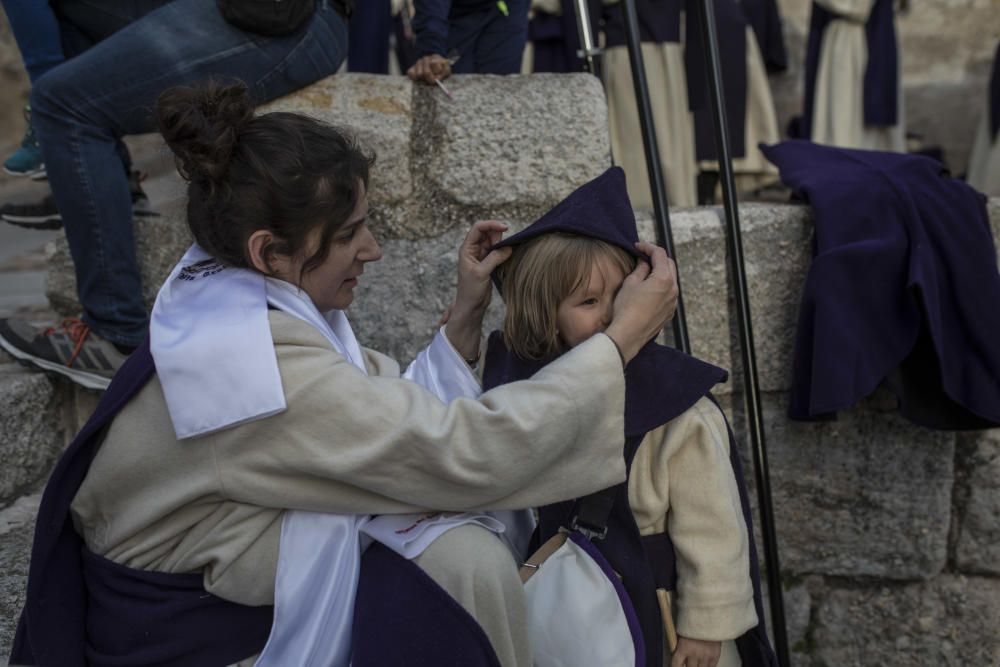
82	609
903	288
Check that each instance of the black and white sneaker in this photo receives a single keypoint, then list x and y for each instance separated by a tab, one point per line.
40	215
45	214
72	350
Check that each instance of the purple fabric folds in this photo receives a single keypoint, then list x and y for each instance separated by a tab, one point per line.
903	288
402	617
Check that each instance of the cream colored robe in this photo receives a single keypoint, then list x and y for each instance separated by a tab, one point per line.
348	443
674	122
984	163
838	108
682	483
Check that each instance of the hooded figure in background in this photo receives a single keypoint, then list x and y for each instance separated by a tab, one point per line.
853	95
751	45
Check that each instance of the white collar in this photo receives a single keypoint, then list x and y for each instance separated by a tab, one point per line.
211	342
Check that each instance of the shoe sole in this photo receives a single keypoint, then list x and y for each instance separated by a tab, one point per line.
34	174
82	378
33	223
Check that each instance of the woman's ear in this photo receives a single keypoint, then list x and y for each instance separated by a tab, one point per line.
264	259
257	246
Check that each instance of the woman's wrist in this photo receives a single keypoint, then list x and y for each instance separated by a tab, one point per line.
464	331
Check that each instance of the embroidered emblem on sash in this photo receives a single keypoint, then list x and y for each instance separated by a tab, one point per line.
202	269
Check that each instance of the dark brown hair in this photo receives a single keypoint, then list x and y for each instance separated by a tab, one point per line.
282	172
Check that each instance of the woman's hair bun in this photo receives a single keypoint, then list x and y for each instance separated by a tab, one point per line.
202	124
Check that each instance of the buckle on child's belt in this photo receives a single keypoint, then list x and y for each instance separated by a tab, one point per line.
587	531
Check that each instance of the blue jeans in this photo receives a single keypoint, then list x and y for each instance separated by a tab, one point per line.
489	42
82	108
37	34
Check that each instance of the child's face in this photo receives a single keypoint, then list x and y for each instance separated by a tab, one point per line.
588	309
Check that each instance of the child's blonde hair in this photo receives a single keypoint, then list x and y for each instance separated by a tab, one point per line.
539	275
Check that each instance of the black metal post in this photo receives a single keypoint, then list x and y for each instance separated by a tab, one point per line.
755	419
664	237
653	167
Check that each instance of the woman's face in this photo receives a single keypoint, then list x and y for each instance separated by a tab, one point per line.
588	309
331	284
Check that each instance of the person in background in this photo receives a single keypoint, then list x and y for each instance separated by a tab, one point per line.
984	163
36	32
468	37
105	90
853	89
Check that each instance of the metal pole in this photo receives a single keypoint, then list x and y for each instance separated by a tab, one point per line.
662	214
653	167
588	48
755	419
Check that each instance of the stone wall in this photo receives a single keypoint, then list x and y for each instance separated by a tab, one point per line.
889	533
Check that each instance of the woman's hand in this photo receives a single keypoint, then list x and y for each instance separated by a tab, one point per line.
645	303
475	264
696	653
430	69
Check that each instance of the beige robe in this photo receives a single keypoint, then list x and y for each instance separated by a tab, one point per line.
838	106
682	483
984	163
348	443
674	122
672	119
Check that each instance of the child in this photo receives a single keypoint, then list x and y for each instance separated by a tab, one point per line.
681	522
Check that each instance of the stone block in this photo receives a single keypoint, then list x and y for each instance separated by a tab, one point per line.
17	527
951	620
977	547
776	248
798	608
508	146
400	300
868	495
31	435
379	111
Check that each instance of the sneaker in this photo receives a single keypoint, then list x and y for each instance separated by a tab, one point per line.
40	215
27	160
45	215
140	202
72	351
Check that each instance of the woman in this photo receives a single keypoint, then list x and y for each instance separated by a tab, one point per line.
263	411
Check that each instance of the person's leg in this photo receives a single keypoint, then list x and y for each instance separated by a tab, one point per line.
499	46
477	569
368	46
85	105
36	32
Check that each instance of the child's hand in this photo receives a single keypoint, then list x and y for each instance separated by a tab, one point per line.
696	653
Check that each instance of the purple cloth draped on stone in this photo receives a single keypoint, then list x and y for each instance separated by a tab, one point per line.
881	85
82	609
402	617
903	288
